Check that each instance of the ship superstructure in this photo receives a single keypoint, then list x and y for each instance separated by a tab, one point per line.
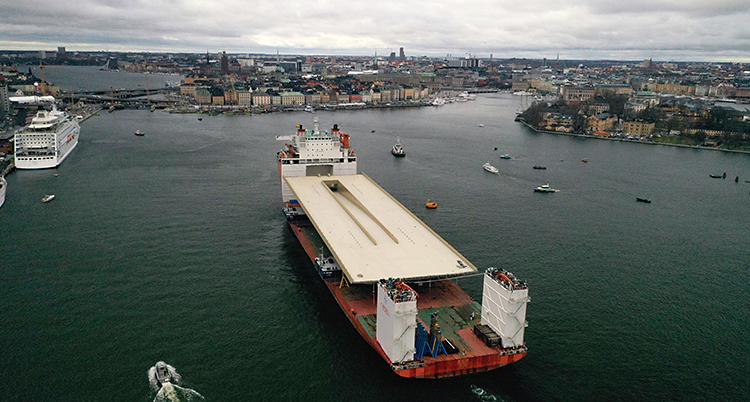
47	141
395	278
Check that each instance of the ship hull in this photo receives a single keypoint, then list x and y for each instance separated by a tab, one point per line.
51	160
358	305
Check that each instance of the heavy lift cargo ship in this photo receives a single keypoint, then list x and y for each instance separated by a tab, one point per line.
393	276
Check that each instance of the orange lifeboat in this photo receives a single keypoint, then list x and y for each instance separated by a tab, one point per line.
431	204
282	154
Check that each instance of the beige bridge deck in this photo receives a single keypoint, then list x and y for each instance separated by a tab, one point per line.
371	235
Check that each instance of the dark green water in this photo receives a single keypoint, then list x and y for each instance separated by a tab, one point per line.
172	247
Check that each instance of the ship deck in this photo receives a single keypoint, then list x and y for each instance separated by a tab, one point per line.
457	312
370	234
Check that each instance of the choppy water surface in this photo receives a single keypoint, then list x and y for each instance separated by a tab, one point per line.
172	247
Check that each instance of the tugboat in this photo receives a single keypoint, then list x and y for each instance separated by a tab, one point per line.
326	266
397	149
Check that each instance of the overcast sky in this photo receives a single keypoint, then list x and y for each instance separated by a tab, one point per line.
678	30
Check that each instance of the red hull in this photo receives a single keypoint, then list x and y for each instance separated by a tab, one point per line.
359	306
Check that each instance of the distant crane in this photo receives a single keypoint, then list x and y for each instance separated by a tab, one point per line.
43	84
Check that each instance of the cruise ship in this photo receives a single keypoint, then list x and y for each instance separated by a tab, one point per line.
395	279
47	141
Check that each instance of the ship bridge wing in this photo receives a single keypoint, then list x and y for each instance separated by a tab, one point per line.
371	235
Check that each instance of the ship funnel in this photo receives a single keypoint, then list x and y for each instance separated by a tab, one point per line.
317	124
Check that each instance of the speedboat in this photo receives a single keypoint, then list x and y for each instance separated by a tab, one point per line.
397	149
139	133
431	204
162	372
490	168
48	198
585	160
505	156
544	188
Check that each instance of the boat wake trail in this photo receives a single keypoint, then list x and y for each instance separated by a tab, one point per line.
207	145
482	394
175	393
162	377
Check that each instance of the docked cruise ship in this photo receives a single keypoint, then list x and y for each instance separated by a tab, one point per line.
47	141
395	279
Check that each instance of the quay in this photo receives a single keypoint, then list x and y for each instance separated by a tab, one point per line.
645	142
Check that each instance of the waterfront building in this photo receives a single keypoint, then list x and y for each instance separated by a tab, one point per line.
203	96
292	98
230	96
261	99
600	122
638	128
217	96
244	98
312	98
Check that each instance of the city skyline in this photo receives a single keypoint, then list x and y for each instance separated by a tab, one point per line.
661	30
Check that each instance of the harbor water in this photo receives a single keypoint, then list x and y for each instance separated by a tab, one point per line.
172	247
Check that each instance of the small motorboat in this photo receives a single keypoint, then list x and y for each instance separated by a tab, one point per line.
540	167
481	125
504	156
715	176
139	133
490	168
646	200
545	188
431	204
585	160
200	119
162	372
397	149
48	198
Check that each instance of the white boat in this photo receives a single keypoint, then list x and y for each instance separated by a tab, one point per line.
544	188
438	102
48	198
504	156
481	125
162	372
47	141
309	109
490	168
397	149
3	188
139	133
